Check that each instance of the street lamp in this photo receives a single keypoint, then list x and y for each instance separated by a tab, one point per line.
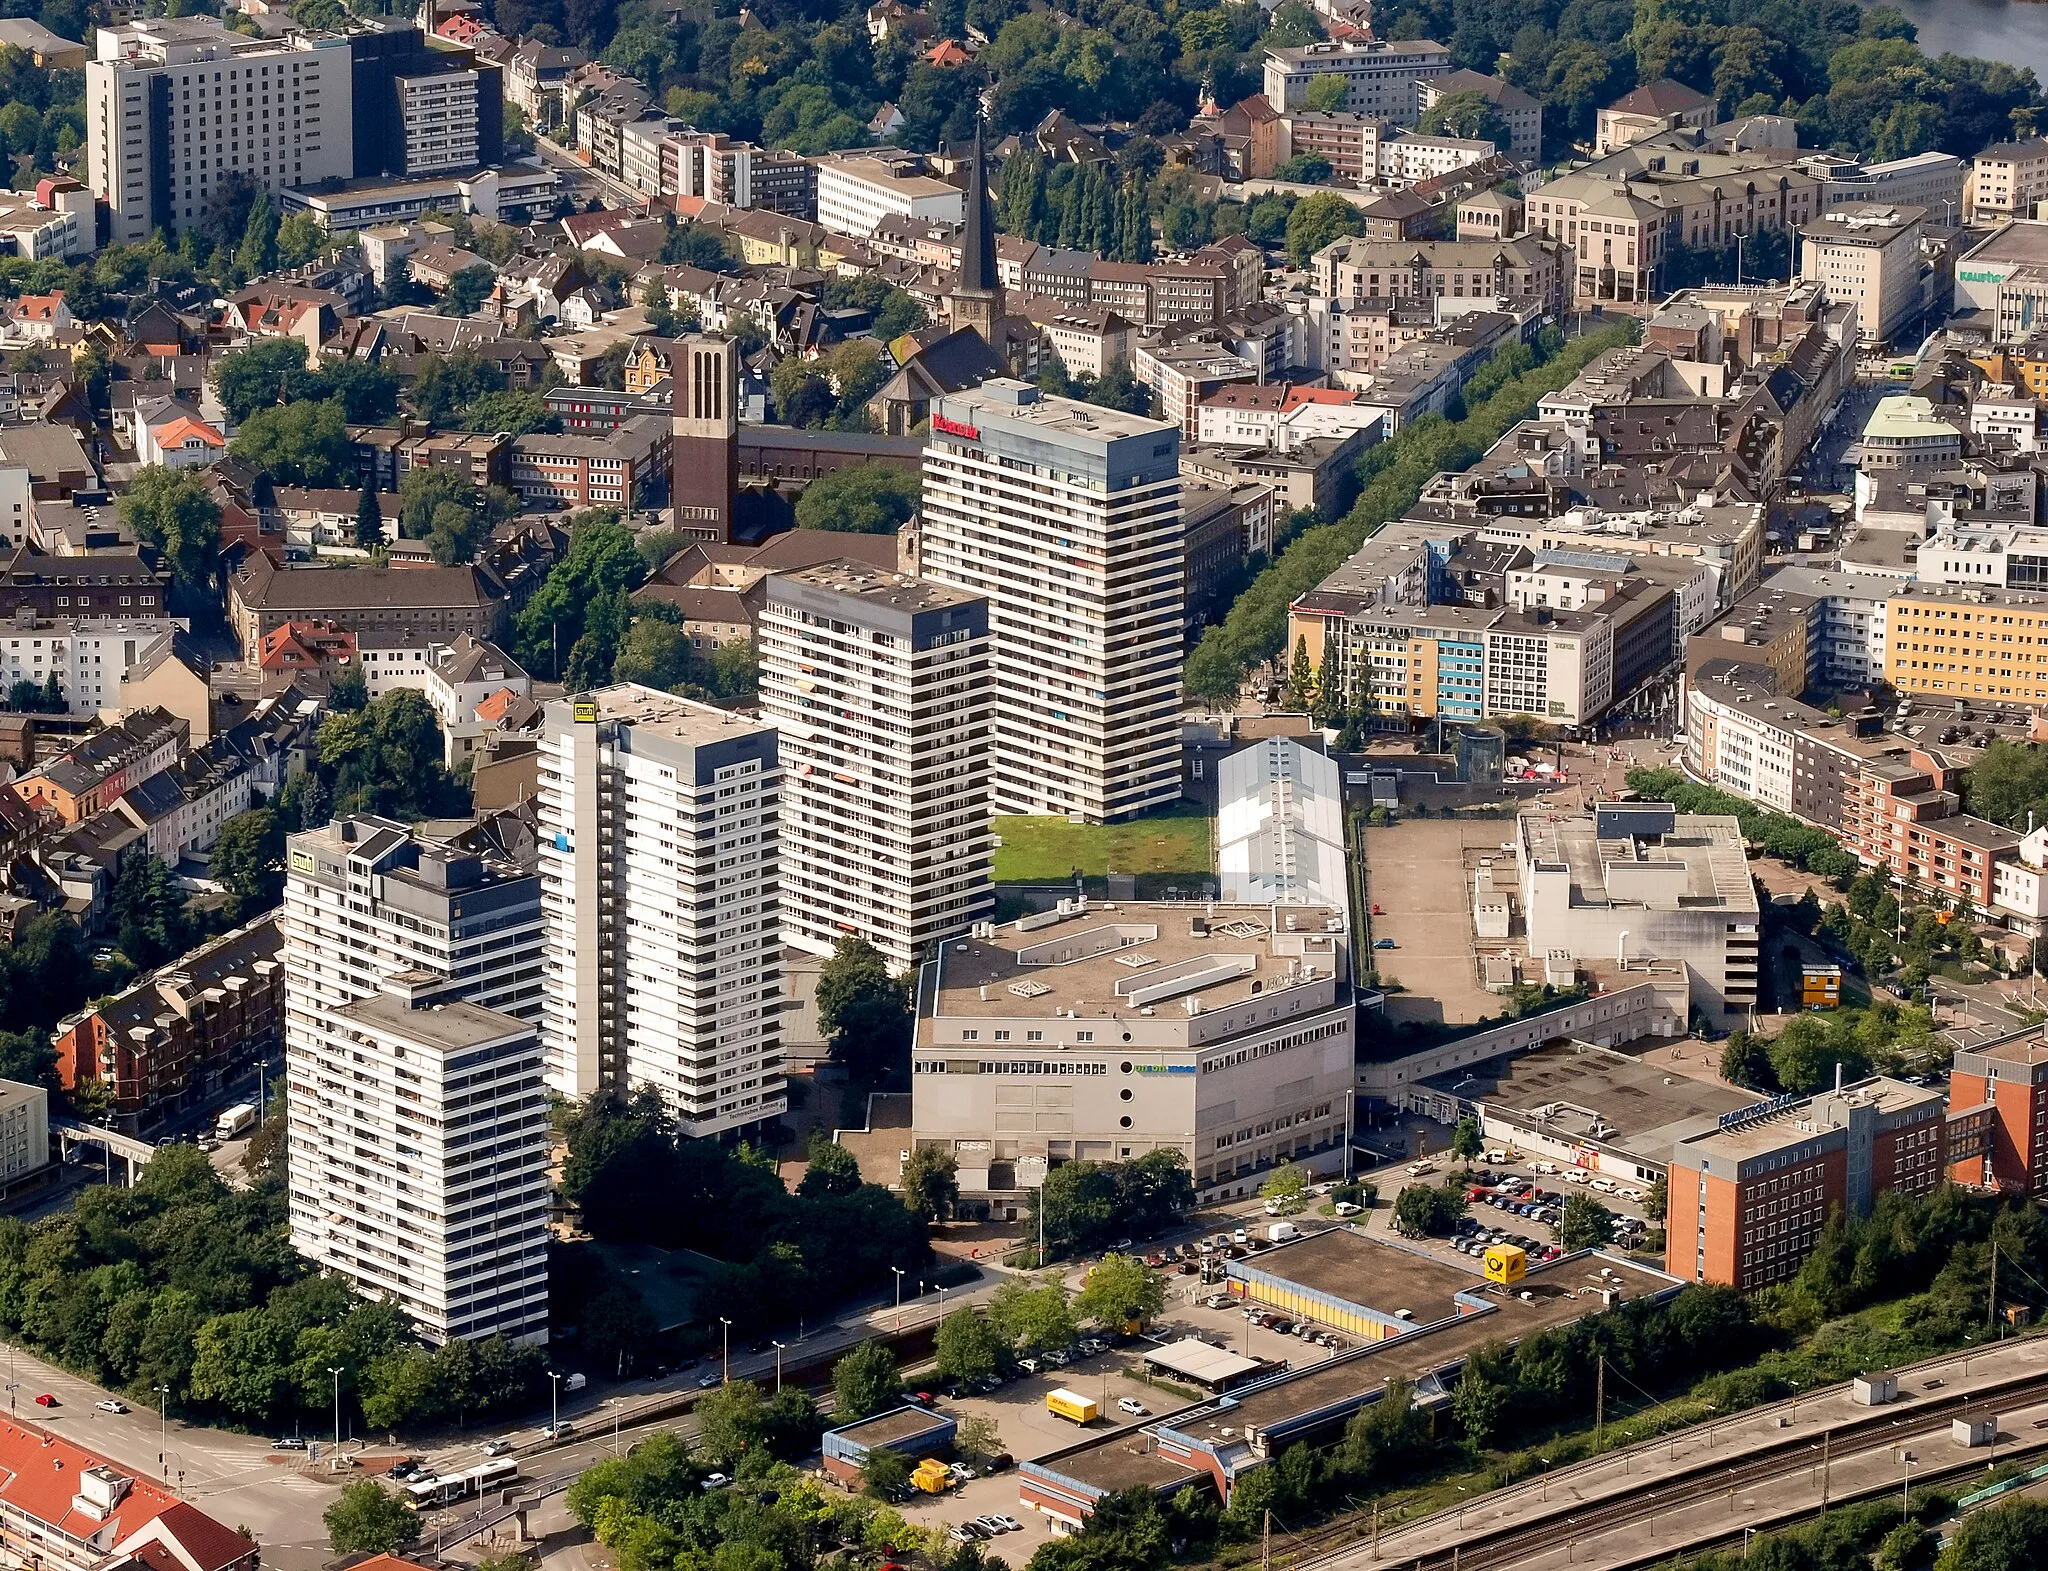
163	1426
615	1401
899	1296
725	1350
1906	1489
332	1370
778	1369
555	1405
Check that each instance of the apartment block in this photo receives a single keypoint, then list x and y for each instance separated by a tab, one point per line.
1360	269
399	1132
1066	517
422	106
1383	77
880	691
1748	1198
1523	114
660	876
1084	1034
442	1102
87	658
178	110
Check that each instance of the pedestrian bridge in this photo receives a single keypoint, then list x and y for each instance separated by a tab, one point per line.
134	1154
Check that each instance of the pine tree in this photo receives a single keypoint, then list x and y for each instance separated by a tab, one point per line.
1329	687
259	238
369	520
1136	244
1070	211
1301	681
1100	211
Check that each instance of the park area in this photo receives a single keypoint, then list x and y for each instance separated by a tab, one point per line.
1173	848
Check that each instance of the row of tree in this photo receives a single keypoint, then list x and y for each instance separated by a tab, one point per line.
183	1282
1393	475
1776	834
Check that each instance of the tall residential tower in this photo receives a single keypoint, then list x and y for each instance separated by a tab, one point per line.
418	1122
878	686
1067	518
658	866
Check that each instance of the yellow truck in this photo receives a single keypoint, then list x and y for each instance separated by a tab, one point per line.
932	1476
1072	1406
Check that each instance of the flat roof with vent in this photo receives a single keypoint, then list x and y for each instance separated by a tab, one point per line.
1122	957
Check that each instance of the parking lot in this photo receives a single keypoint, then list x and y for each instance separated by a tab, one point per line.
1417	881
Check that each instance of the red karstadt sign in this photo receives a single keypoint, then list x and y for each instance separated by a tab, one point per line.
947	427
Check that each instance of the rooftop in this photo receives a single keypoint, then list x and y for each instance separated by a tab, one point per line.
656	713
1371	1273
1013	401
1102	961
451	1027
892	1428
1643	854
1770	1126
872	585
1595	1095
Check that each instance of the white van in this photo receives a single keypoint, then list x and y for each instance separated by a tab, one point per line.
1606	1186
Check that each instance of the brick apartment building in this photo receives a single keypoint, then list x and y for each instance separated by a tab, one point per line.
2008	1082
626	468
171	1040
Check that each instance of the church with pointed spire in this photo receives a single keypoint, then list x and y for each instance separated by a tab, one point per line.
977	299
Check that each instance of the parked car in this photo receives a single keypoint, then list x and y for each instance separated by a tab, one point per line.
1345	1208
47	1400
1010	1523
1384	943
1135	1409
715	1480
289	1443
111	1406
1028	1365
1238	1235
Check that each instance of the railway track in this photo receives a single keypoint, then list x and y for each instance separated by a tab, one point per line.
1352	1539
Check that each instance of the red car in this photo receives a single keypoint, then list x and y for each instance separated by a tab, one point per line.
46	1400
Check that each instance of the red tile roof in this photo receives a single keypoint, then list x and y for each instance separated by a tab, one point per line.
195	1540
39	1475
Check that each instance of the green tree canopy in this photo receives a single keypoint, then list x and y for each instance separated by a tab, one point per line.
1120	1289
171	511
864	1012
305	444
369	1520
874	498
865	1381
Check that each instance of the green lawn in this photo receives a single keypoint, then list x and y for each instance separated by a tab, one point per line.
1173	842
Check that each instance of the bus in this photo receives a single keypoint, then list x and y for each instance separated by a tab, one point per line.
468	1485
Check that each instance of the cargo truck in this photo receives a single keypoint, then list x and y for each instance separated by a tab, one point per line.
232	1121
1072	1406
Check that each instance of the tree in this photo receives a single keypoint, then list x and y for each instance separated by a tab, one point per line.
1301	678
1327	92
978	1437
1286	1188
884	1471
863	1011
865	1382
2011	1533
1657	1201
469	289
867	499
1120	1290
1465	1142
369	519
248	859
1076	1206
1316	221
1428	1208
1471	115
1481	1401
348	690
172	511
368	1520
602	558
966	1347
832	1171
258	253
1032	1318
1746	1062
732	1420
1584	1224
303	444
1807	1055
931	1186
149	912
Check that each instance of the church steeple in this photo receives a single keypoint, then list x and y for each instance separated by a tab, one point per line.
977	299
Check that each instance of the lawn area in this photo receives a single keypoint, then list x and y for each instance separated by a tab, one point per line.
1174	841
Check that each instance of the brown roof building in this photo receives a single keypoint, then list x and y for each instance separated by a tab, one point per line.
436	602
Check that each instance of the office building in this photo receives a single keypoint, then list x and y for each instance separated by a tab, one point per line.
1523	113
1868	254
1964	643
1382	76
1633	883
1223	1032
87	658
1067	518
659	877
2007	180
386	1190
857	191
427	1137
1748	1198
1654	107
180	112
879	689
2007	1082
